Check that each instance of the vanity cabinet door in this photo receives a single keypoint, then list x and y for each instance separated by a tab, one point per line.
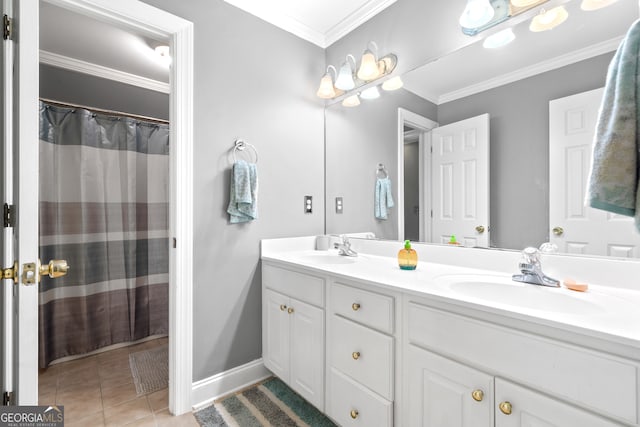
275	338
517	406
307	351
446	393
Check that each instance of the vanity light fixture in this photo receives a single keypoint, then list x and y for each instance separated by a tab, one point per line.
351	101
548	19
326	89
369	69
590	5
345	76
476	14
371	93
393	83
499	39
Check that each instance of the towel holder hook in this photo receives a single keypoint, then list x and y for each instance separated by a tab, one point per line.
240	145
382	169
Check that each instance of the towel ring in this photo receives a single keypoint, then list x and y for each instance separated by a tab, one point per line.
382	169
240	145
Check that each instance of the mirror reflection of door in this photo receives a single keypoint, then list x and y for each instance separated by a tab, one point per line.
412	183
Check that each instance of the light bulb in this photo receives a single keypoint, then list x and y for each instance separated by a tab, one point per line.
371	93
476	14
392	84
548	20
326	90
352	101
499	39
368	67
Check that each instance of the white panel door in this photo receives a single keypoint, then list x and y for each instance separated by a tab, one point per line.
307	351
530	409
460	175
20	140
576	228
446	393
276	333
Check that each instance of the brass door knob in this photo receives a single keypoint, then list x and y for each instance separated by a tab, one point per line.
355	355
290	310
355	306
480	229
505	408
477	395
558	231
354	414
283	307
56	268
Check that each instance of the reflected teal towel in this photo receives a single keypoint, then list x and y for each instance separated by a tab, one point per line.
613	181
383	198
243	194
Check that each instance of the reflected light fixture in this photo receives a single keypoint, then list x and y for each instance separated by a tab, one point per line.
326	89
345	76
549	19
393	83
369	69
523	3
499	39
371	93
590	5
476	14
351	101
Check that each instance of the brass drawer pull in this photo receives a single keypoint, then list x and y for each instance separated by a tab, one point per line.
355	306
283	307
290	310
505	407
354	414
355	355
477	395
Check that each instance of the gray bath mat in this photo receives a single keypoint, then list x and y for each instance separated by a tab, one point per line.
150	369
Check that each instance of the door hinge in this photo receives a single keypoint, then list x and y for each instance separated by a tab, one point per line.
9	215
7	398
7	28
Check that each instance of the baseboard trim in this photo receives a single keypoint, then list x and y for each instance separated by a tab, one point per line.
205	391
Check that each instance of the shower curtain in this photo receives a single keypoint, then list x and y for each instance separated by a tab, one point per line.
104	198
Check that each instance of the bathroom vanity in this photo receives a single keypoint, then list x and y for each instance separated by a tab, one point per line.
455	342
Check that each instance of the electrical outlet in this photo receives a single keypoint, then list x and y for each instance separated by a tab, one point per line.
339	205
308	204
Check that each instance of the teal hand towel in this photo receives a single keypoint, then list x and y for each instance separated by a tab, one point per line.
613	180
383	199
243	192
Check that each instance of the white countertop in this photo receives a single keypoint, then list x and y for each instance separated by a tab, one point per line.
608	314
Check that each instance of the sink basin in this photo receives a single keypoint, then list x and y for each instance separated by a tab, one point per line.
503	290
329	258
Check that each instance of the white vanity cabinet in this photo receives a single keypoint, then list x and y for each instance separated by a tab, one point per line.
360	352
293	330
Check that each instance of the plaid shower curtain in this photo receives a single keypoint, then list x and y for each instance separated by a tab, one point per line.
104	198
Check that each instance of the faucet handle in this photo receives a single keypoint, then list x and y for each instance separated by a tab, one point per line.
531	255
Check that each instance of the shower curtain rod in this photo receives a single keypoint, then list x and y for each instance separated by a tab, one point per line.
100	110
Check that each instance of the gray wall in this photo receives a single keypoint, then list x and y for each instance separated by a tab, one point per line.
76	88
257	82
519	134
357	139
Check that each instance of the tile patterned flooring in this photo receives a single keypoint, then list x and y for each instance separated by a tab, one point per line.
98	391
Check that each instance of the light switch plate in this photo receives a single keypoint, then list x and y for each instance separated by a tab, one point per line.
308	204
339	205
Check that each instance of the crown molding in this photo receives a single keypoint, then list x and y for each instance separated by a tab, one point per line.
355	19
523	73
77	65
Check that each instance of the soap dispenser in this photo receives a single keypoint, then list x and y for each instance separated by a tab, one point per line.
407	257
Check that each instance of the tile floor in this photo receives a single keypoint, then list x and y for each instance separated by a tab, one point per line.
99	391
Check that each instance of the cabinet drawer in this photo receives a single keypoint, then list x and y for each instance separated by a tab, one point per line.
363	354
591	379
345	396
365	307
304	287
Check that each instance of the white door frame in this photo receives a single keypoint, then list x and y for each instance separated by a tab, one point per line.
141	17
424	124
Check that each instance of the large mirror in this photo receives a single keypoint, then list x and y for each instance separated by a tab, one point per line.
514	86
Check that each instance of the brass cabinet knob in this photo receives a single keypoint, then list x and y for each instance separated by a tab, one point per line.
56	268
480	229
477	395
355	306
354	414
505	407
290	310
283	307
558	231
355	355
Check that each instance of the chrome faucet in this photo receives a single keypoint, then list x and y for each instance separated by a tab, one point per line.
344	248
532	270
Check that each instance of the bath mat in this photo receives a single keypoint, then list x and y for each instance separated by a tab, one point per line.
270	403
150	369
